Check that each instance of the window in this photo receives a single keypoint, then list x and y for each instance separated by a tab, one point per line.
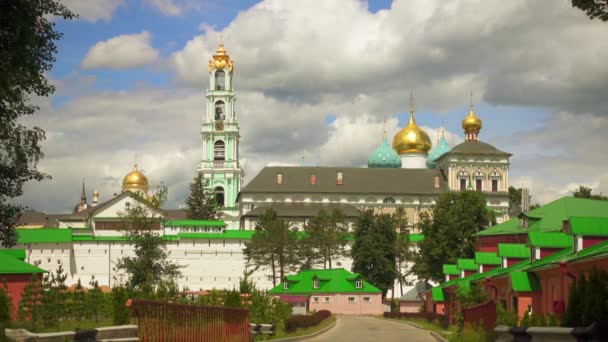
219	196
220	80
279	178
219	110
478	183
359	283
463	184
313	179
219	150
285	285
325	299
494	185
388	200
352	299
339	178
127	204
316	283
367	299
315	299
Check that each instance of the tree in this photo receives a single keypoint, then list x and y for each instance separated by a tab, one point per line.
272	245
587	192
514	196
448	233
403	251
373	251
95	300
151	266
201	202
27	53
54	298
326	236
30	305
6	305
593	8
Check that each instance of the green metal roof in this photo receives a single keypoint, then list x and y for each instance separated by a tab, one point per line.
451	269
194	223
44	235
467	264
509	227
384	156
599	250
593	226
9	264
416	237
17	253
487	258
550	239
438	294
524	281
513	250
553	214
336	280
227	234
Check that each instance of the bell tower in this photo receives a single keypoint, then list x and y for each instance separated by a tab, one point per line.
220	165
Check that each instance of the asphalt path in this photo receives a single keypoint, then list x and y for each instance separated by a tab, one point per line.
365	328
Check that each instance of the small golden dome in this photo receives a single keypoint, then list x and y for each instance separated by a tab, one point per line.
412	139
220	59
135	180
472	123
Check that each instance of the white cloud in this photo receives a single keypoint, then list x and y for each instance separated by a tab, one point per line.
121	52
94	10
175	7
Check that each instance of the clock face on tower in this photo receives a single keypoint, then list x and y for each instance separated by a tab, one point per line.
219	125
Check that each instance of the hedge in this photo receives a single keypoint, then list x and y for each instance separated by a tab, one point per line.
305	321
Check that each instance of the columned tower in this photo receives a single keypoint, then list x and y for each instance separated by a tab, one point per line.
220	165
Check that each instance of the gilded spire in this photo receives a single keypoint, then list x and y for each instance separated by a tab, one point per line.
220	58
412	103
412	139
471	124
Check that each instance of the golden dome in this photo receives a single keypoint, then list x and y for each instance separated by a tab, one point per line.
220	59
412	139
472	123
135	180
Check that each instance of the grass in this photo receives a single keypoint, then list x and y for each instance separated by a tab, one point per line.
299	332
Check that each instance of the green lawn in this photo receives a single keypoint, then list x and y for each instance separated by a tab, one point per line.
299	332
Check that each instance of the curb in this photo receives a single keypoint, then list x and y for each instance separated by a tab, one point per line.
438	337
305	337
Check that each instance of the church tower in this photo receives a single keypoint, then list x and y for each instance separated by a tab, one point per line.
220	165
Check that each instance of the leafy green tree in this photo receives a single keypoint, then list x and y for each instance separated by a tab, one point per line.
403	249
373	251
587	192
6	305
150	267
514	196
273	245
593	8
30	305
232	299
120	312
326	235
201	202
448	233
54	298
27	53
78	304
94	300
246	285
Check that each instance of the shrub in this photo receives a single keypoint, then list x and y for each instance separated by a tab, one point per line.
588	298
6	305
503	317
120	314
305	321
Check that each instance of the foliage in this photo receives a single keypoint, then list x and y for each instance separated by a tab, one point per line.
267	309
30	306
201	202
469	296
273	245
151	266
373	251
232	299
305	321
449	232
473	334
593	8
94	301
326	237
586	192
588	300
6	305
514	196
504	317
403	251
120	312
53	298
245	284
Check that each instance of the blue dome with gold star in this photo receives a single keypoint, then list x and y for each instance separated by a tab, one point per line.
440	149
384	156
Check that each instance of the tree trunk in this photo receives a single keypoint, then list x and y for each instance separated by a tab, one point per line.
274	273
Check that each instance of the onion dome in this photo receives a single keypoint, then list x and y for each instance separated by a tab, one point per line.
471	124
135	181
384	156
439	150
220	59
412	138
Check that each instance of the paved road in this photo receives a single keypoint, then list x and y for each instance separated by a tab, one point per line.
362	328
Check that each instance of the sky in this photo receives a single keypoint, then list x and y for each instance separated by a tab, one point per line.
317	80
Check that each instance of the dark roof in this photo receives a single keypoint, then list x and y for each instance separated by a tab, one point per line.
413	295
304	209
175	214
90	211
355	180
32	217
475	147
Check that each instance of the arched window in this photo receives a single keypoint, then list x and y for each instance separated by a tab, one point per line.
219	110
219	150
219	196
388	200
220	80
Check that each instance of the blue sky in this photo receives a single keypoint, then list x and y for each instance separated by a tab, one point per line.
131	75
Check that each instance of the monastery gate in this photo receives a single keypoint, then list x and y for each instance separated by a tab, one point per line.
158	321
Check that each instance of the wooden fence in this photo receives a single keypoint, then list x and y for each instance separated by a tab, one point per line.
482	314
158	321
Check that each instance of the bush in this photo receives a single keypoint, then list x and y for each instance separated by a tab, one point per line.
503	317
305	321
6	305
120	314
588	298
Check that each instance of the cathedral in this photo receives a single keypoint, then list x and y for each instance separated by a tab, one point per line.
410	172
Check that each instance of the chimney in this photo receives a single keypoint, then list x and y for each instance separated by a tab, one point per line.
525	200
436	182
95	197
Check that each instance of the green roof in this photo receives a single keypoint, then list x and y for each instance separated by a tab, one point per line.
227	234
593	226
9	264
509	227
44	235
553	214
336	280
451	269
513	250
438	294
487	258
194	223
467	264
17	253
599	250
416	237
524	281
550	239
